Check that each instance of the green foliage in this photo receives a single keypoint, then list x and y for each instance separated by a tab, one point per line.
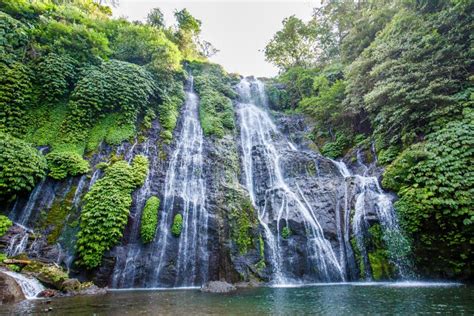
215	111
114	86
186	36
146	45
435	183
15	96
21	166
336	148
285	232
278	98
64	164
45	121
244	224
378	254
5	224
293	46
169	110
177	225
408	77
149	219
56	76
106	208
14	36
187	22
156	18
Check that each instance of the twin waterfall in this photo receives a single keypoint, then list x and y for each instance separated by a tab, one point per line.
312	211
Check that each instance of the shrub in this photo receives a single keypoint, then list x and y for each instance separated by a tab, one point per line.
21	165
177	225
285	232
149	219
5	224
435	181
213	87
106	208
336	148
64	164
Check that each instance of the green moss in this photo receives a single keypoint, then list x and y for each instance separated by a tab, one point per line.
244	224
378	254
177	225
5	224
55	219
358	258
149	219
261	263
381	268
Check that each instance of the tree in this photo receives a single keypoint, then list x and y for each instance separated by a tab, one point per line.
207	49
188	31
293	46
155	18
186	22
113	3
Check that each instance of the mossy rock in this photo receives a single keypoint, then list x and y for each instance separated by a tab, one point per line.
48	274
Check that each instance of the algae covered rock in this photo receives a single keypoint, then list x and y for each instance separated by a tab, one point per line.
49	274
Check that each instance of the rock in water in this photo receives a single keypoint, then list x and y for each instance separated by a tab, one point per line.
218	287
71	285
10	290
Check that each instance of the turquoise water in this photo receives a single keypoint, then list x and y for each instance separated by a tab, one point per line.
328	299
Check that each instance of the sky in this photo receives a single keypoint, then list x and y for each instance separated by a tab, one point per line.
239	29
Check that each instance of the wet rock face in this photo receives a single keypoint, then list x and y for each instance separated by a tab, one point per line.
10	290
317	180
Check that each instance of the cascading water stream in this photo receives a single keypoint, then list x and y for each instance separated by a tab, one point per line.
185	194
125	270
257	132
29	286
370	196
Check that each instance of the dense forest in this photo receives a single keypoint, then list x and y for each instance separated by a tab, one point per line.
394	78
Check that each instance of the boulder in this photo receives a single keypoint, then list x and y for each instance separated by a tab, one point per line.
90	290
218	287
70	285
49	274
10	290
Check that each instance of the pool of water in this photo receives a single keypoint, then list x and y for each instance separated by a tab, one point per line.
326	299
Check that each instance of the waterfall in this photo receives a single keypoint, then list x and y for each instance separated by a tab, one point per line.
170	261
371	198
29	286
125	272
258	134
185	194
